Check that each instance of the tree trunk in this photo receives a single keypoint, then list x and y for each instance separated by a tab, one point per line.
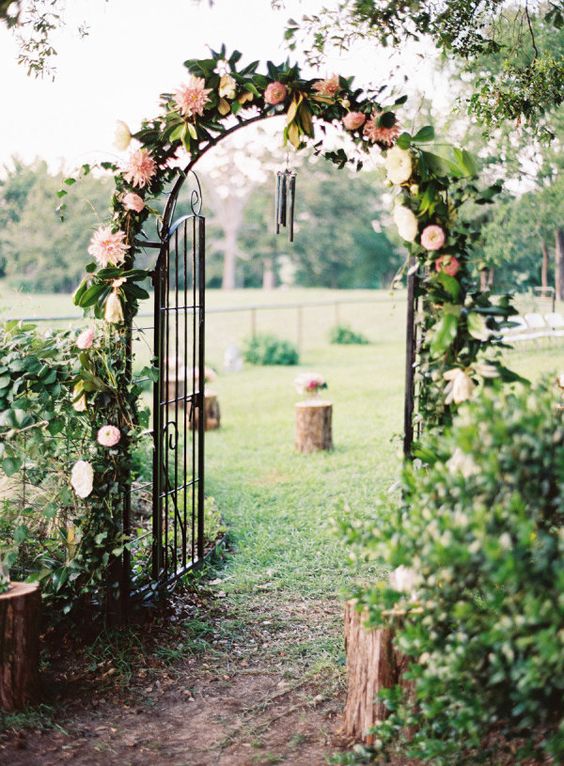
559	264
544	267
373	664
20	611
268	278
314	426
212	418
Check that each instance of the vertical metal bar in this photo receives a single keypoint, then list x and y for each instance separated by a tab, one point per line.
125	579
291	204
283	198
176	351
157	415
185	403
277	202
194	402
202	364
410	358
166	412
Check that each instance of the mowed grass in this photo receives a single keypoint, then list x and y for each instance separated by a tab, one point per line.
281	506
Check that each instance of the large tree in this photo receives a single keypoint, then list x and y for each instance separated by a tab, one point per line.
527	80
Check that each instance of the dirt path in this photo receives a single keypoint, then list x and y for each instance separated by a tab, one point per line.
227	691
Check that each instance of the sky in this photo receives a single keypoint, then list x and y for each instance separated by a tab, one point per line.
134	51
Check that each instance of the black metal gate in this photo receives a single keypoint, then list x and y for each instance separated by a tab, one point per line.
178	394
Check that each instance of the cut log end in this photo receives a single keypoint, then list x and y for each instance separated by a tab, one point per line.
314	429
212	419
373	664
20	610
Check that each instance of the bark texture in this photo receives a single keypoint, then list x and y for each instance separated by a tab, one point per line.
314	429
20	610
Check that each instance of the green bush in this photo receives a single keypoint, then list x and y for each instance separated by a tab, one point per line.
343	335
267	349
480	531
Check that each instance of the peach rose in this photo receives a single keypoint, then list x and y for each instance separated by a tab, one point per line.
275	93
432	237
354	120
449	264
85	339
132	201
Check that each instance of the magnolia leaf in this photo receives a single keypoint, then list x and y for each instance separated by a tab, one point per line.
477	326
444	333
294	135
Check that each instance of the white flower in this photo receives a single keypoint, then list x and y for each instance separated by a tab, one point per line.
122	136
460	386
82	478
227	87
561	380
406	221
113	312
79	405
462	463
398	165
404	579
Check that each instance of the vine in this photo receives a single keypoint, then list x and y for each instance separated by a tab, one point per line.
459	324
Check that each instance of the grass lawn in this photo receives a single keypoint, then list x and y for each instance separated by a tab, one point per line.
264	656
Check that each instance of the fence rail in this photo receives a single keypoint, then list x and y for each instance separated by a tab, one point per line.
253	310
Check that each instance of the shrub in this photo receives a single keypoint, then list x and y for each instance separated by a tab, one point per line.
480	528
267	349
343	335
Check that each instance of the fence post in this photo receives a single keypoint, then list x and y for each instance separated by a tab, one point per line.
300	328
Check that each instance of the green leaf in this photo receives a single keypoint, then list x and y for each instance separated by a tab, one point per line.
11	465
404	140
444	333
424	134
450	284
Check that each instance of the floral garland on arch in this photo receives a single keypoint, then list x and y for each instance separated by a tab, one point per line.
458	323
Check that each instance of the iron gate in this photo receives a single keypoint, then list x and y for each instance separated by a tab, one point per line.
178	393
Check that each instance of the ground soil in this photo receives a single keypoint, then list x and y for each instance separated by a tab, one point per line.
235	695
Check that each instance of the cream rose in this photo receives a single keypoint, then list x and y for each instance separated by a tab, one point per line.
82	478
460	386
227	87
398	165
406	221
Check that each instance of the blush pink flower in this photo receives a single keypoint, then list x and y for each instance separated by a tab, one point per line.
432	237
275	93
132	201
329	87
108	247
108	436
140	169
86	339
354	120
449	264
192	98
82	478
379	131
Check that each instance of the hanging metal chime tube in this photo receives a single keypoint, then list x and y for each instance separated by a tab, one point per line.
284	203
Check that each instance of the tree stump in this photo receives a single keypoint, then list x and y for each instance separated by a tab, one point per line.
314	430
212	413
373	664
19	645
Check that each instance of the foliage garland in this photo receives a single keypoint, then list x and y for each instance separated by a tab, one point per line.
459	323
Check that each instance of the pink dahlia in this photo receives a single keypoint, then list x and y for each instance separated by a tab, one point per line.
449	264
108	436
354	120
275	93
329	87
192	98
382	128
108	247
432	237
141	167
85	339
132	201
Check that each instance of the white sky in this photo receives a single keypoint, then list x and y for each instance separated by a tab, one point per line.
135	51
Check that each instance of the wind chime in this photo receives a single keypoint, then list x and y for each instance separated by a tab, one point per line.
285	198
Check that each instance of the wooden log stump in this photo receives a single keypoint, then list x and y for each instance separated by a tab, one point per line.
20	611
314	429
212	412
373	664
